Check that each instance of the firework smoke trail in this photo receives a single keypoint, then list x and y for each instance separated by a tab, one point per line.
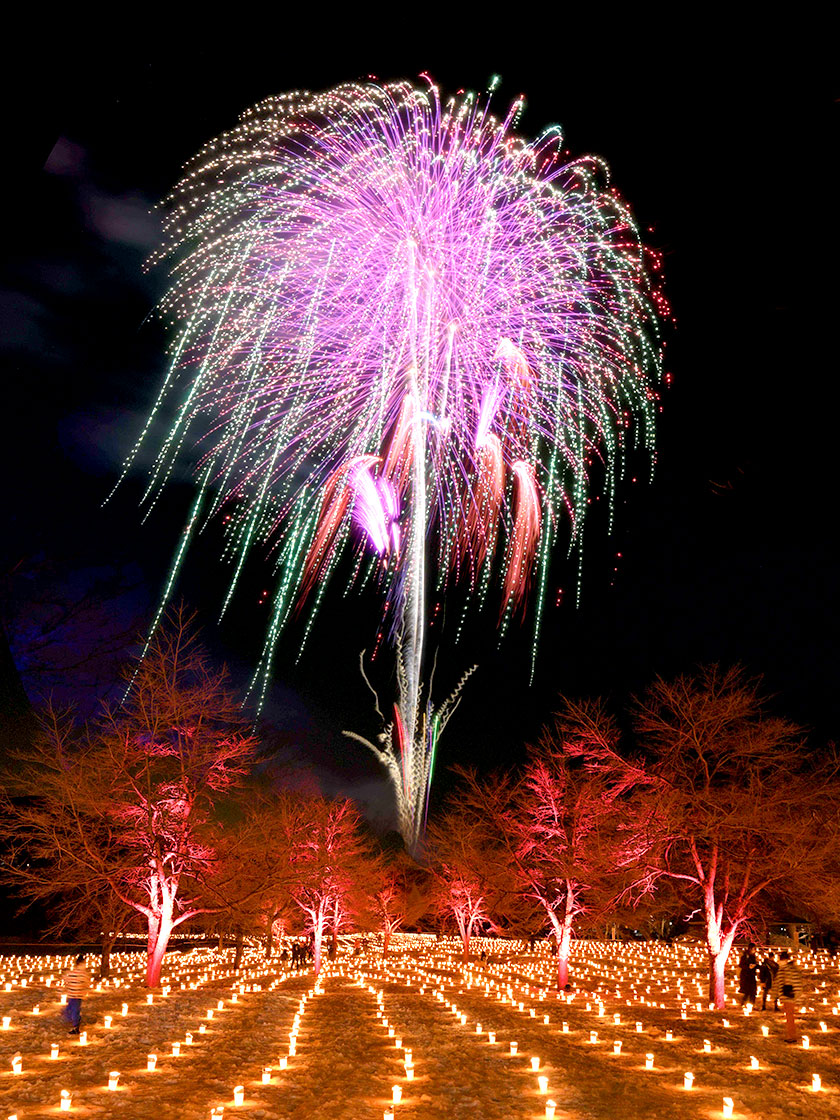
404	333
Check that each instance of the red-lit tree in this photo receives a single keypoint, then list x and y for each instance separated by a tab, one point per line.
328	862
398	898
468	877
741	809
565	833
128	804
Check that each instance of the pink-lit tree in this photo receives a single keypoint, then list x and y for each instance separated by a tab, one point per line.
469	879
398	898
329	860
128	804
741	808
566	831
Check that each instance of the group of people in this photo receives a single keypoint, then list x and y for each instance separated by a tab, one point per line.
301	953
780	981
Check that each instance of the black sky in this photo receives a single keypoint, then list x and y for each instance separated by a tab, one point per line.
725	147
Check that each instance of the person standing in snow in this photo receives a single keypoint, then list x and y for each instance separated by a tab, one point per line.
76	984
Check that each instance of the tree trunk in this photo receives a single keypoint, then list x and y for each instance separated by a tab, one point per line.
221	944
160	930
386	937
562	930
317	940
269	935
240	944
718	948
793	933
464	929
105	963
717	979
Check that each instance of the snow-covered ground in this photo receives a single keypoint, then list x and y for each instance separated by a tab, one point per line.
421	1021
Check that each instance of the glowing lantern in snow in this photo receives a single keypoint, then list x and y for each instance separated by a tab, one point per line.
113	1079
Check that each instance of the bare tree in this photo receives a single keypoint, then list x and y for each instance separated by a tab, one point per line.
398	898
328	859
566	832
128	803
741	809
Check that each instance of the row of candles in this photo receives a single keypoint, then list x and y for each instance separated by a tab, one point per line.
533	978
688	1081
65	1101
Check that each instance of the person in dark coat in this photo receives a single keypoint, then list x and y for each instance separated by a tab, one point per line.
766	975
748	980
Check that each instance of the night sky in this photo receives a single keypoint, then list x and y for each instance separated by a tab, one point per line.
727	158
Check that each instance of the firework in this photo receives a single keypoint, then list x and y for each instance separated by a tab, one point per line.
404	333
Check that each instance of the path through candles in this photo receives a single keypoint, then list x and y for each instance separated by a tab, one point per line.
419	1034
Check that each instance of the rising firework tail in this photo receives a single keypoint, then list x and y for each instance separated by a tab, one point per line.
404	334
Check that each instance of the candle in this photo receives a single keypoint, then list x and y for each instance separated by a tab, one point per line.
388	1114
17	1064
648	1061
188	1039
550	1107
83	1038
669	1036
284	1063
593	1036
728	1105
565	1028
707	1046
806	1042
113	1079
151	1062
64	1104
514	1046
396	1094
535	1064
688	1080
542	1082
816	1082
753	1062
638	1028
7	1019
108	1021
617	1046
124	1009
409	1073
54	1051
176	1049
266	1075
238	1094
765	1031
